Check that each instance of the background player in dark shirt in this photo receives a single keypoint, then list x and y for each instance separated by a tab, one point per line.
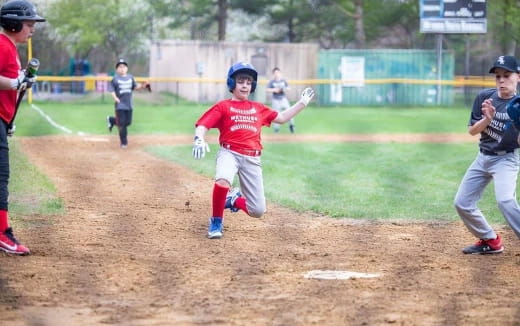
121	88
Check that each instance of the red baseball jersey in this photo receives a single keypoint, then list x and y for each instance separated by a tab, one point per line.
9	67
239	122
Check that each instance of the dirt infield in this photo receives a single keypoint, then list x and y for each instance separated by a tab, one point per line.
131	250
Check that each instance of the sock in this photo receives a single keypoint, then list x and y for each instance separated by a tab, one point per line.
241	203
219	200
4	224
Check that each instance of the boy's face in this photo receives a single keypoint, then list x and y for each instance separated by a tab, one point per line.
506	82
243	86
122	69
26	33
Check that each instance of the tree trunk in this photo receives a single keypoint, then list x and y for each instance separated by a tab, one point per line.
222	19
359	26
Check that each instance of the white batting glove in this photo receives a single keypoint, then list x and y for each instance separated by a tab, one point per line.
22	82
10	130
307	96
200	147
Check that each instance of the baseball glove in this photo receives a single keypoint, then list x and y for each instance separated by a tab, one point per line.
513	110
146	85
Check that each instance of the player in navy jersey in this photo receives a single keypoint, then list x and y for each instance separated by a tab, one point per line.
121	87
497	160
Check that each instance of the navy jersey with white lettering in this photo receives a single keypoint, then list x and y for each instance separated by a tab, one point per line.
500	135
123	87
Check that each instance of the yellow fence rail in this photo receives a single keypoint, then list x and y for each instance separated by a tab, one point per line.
459	81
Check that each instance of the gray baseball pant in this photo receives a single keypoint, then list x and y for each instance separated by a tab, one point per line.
503	170
249	170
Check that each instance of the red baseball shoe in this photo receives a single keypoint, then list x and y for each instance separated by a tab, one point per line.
9	244
482	247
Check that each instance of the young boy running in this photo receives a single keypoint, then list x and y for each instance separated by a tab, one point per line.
121	88
239	122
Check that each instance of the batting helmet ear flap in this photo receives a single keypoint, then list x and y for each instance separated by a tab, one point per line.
231	84
14	26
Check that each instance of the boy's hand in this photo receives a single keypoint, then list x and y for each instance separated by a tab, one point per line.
22	82
10	130
200	147
307	96
488	110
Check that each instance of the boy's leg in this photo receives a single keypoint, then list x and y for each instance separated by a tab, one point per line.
8	242
111	122
505	177
226	168
252	186
219	199
123	120
469	193
215	229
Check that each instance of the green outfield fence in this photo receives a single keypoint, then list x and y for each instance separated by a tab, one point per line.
386	77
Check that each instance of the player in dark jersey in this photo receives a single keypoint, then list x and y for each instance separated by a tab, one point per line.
497	160
121	87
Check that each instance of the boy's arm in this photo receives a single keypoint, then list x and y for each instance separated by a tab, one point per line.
288	114
114	96
200	131
143	85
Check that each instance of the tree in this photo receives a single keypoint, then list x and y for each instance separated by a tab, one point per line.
120	27
504	24
199	15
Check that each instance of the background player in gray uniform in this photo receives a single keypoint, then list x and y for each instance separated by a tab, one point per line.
497	160
121	88
279	102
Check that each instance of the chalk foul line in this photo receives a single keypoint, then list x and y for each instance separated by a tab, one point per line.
337	275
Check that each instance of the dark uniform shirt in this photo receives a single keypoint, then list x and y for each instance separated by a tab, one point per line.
500	135
123	87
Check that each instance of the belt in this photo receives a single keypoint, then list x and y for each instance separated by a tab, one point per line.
499	153
243	151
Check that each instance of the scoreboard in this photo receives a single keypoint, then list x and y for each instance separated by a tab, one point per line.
453	16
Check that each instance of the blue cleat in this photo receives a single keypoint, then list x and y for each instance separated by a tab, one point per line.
215	228
231	198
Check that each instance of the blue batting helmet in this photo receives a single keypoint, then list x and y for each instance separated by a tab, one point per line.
242	67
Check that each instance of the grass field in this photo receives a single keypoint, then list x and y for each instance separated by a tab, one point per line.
359	180
89	116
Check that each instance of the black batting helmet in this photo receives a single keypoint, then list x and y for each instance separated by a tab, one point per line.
121	62
13	13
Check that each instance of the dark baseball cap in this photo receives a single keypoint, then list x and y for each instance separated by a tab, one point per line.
121	62
506	62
